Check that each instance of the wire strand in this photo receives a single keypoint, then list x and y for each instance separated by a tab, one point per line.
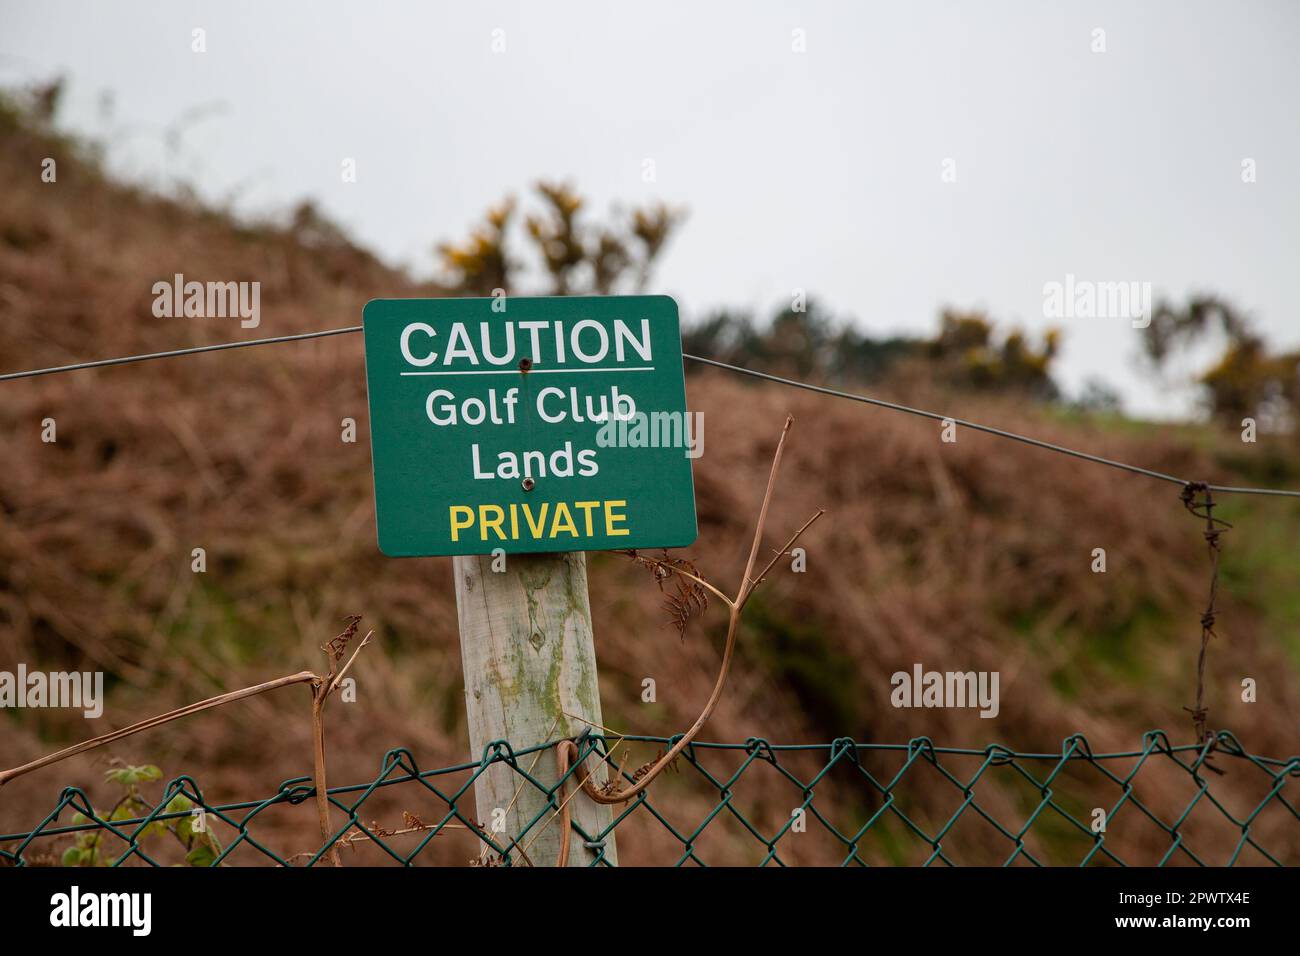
988	429
150	356
738	369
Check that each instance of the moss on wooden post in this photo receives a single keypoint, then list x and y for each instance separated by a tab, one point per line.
530	677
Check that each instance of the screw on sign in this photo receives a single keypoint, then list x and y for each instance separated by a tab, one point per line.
509	431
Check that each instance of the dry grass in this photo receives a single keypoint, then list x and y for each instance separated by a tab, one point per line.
967	556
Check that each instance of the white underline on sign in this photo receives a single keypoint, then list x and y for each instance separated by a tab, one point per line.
540	371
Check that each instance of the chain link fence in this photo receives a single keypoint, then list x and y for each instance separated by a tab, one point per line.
843	802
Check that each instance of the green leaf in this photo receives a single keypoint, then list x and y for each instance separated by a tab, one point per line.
201	855
180	804
157	827
72	856
128	776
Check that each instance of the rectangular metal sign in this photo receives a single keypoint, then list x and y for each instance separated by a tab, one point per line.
529	424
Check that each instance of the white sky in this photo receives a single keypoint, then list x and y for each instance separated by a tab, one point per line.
818	170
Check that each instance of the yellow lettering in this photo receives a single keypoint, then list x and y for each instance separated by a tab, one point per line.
466	522
611	517
536	527
551	519
494	523
586	507
562	508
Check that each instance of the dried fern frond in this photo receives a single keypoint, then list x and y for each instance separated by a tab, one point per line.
339	645
688	598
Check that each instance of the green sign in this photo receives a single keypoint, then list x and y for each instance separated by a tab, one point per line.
529	424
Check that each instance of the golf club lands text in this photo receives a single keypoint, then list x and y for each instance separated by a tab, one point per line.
542	347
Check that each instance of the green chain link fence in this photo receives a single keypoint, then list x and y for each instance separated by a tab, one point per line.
838	803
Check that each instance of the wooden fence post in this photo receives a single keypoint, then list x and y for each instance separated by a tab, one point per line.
530	677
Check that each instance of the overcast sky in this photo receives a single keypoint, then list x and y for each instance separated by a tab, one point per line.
821	170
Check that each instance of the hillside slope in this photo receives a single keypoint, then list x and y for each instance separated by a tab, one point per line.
967	556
